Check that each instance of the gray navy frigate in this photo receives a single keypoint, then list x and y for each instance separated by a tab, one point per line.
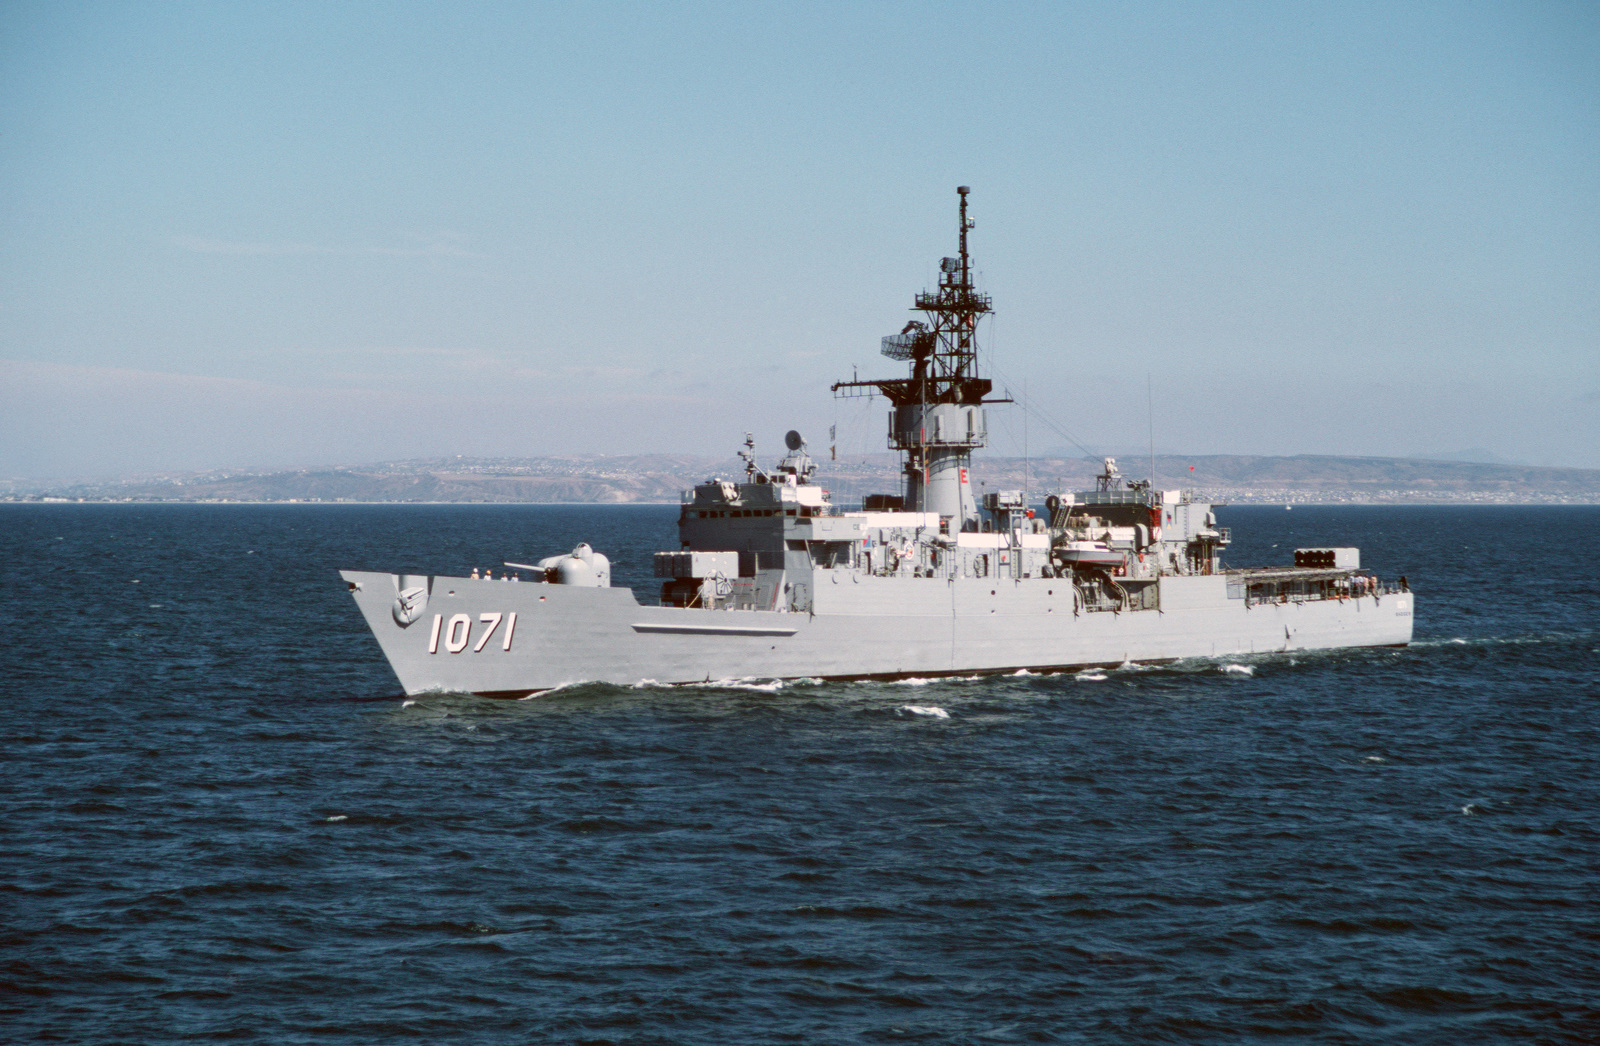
774	581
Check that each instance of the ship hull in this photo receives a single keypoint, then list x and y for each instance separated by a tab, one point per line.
502	638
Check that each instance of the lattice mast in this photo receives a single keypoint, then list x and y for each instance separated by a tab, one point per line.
938	417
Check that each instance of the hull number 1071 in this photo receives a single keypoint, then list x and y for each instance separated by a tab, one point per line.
457	634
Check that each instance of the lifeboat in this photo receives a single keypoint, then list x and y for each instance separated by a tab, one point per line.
1088	554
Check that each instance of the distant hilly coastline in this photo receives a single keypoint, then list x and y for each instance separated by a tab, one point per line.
659	478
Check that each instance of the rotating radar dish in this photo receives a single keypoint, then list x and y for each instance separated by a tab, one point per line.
793	441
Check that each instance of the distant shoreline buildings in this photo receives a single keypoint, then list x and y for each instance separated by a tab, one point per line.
660	478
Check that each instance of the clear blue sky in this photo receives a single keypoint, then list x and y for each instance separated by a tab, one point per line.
272	234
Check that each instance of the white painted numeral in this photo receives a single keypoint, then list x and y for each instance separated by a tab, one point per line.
453	644
493	621
457	632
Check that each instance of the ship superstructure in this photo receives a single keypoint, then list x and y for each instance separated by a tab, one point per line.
772	580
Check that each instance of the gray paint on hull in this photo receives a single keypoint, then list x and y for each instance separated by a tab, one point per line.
861	627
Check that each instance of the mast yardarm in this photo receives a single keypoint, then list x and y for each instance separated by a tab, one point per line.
943	349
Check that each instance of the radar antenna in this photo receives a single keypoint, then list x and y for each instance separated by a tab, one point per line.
798	464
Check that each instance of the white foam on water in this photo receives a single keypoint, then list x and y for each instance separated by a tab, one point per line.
578	682
1090	676
407	704
729	683
745	683
1237	670
1535	639
928	710
1022	672
913	681
336	817
1375	759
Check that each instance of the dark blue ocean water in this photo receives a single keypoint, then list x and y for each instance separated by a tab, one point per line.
220	822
